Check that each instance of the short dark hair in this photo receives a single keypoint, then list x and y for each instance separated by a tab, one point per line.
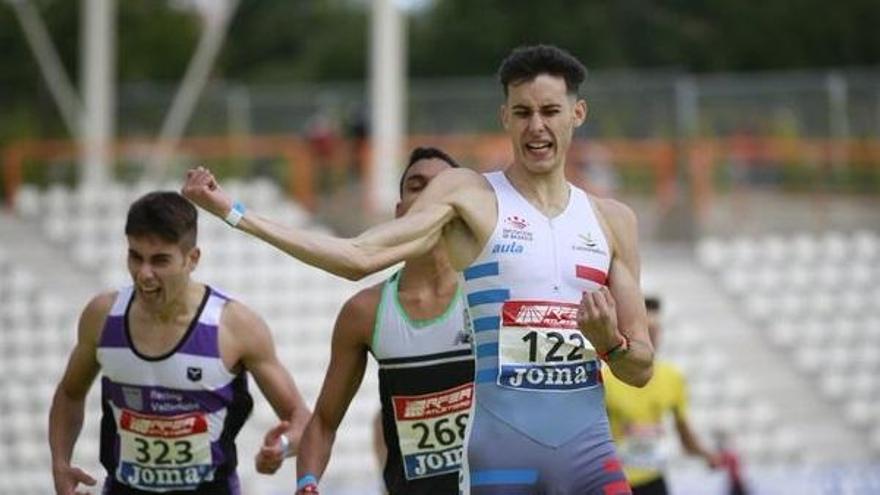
425	153
652	303
525	63
165	214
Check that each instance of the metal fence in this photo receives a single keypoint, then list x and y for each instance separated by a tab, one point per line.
839	104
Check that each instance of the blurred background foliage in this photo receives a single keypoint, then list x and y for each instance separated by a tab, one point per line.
293	41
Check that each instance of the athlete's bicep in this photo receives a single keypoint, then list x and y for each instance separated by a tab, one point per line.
82	366
625	272
348	359
246	339
624	287
409	236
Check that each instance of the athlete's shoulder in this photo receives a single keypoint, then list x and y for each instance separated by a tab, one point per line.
365	301
616	213
620	222
94	315
463	176
241	321
244	337
459	181
101	303
358	313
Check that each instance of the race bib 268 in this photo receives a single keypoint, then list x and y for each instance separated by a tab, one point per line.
431	430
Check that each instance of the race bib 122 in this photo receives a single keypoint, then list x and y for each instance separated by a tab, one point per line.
540	348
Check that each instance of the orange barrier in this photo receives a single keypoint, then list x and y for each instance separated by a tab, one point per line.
665	159
292	149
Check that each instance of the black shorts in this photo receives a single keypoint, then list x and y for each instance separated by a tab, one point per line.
654	487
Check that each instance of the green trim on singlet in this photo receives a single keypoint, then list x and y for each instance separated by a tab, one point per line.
380	310
416	324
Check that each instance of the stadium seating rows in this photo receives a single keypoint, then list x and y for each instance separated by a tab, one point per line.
817	299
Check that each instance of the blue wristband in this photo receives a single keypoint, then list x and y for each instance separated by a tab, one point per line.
235	214
308	479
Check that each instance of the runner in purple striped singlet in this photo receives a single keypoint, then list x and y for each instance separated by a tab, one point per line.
551	281
174	357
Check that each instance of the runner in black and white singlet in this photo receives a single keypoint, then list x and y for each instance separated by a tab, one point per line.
543	305
426	374
414	325
174	357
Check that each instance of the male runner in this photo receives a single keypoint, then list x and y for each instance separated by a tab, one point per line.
637	415
174	355
551	280
414	326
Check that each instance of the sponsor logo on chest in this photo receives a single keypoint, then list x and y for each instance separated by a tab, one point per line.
508	248
541	315
194	373
133	398
586	242
517	229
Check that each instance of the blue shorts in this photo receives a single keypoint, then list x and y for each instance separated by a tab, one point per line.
502	461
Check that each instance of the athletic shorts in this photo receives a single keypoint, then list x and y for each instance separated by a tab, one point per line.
657	486
502	461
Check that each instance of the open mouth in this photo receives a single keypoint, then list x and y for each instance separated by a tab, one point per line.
152	293
539	148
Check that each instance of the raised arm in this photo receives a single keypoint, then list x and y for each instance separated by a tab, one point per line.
348	360
412	235
614	318
251	335
68	404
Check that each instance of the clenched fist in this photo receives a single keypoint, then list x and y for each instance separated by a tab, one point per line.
597	319
271	454
203	189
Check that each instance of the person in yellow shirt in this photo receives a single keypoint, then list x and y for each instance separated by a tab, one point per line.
636	416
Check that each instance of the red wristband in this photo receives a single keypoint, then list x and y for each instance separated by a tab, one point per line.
621	347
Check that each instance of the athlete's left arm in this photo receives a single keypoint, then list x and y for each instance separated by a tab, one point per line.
686	434
618	310
252	337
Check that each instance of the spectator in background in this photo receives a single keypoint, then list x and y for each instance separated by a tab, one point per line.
637	416
322	134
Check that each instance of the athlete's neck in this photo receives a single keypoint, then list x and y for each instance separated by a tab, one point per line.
431	275
547	192
179	308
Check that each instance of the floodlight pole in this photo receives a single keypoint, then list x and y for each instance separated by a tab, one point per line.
97	75
387	82
216	16
60	86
